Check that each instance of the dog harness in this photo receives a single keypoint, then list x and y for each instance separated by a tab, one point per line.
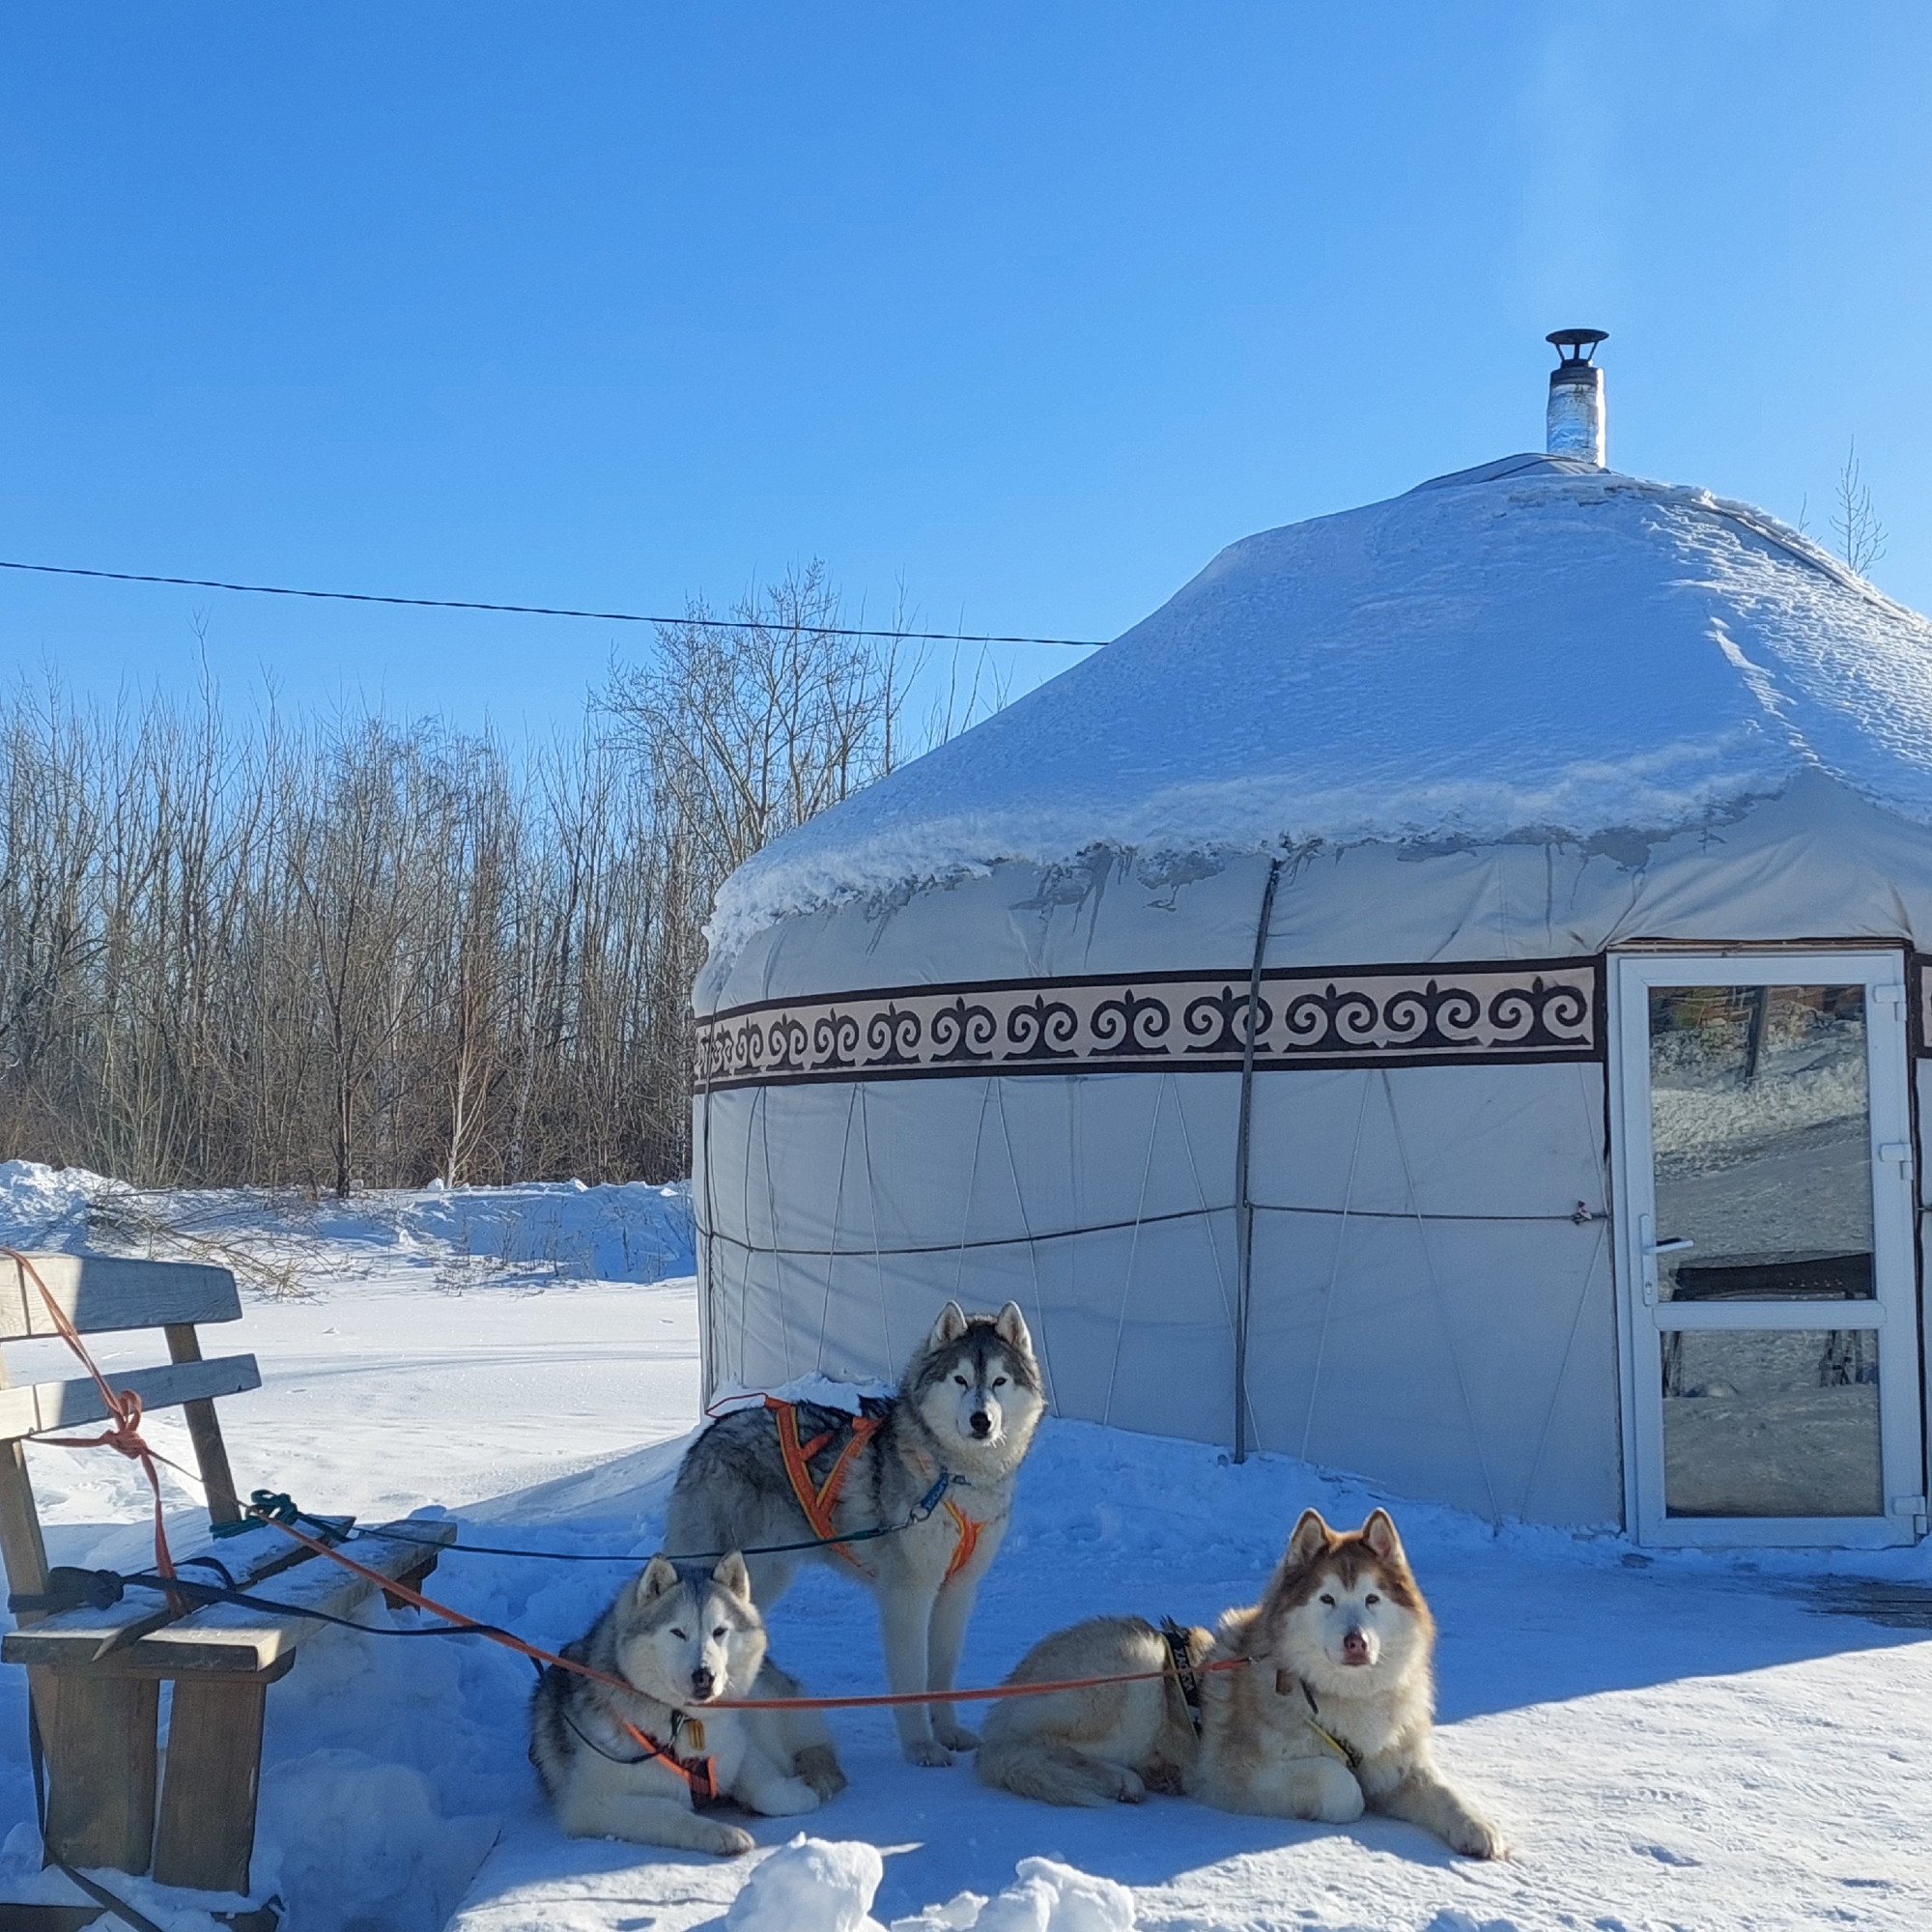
699	1778
818	1497
1181	1658
969	1540
1343	1748
698	1775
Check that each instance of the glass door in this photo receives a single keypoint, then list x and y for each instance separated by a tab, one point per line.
1765	1249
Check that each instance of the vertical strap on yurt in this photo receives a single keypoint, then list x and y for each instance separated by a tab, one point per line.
704	1256
1244	1207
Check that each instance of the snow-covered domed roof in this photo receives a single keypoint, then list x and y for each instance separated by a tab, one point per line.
1535	648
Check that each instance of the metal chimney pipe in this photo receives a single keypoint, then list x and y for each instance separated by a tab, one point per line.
1575	422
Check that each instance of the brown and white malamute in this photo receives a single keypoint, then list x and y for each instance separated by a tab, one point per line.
1327	1711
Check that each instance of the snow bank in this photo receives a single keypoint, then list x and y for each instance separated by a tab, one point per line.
1698	1106
1050	1897
817	1886
44	1207
811	1885
538	1232
1522	650
361	1843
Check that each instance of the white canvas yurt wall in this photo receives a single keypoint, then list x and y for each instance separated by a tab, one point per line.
977	1031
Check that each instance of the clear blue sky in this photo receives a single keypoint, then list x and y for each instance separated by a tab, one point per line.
1029	307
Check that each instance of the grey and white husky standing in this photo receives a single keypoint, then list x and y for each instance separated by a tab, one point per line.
966	1411
1326	1706
642	1763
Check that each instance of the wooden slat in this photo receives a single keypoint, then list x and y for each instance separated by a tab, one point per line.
205	1831
103	1293
71	1405
258	1553
204	1431
100	1735
225	1638
22	1552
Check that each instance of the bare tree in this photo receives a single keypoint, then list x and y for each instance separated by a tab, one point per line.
245	954
752	727
1861	537
241	948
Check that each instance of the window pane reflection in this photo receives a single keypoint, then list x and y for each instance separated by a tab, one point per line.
1770	1422
1760	1127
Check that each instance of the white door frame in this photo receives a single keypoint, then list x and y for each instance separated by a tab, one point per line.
1895	1313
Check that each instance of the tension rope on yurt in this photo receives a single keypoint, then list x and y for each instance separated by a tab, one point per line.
1244	1205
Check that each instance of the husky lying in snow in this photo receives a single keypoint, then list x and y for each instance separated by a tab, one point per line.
641	1765
1330	1713
966	1410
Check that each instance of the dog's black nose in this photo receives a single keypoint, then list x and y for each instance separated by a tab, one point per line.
701	1681
982	1423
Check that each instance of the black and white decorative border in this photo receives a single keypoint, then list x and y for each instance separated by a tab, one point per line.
1491	1012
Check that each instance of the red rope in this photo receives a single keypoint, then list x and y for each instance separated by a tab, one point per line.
122	1404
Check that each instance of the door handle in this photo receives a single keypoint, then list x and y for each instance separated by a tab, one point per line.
1650	1247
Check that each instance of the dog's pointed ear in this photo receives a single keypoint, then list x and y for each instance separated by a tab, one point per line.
1009	1325
733	1577
948	1329
1312	1538
1378	1533
660	1577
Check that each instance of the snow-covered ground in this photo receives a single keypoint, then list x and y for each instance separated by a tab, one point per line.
1684	1741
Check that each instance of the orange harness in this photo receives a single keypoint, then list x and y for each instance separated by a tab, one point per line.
969	1540
699	1778
818	1501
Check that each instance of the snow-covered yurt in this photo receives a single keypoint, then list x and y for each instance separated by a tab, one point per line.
1443	997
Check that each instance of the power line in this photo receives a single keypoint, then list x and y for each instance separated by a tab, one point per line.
538	610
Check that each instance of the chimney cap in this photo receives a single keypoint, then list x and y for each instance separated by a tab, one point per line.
1576	346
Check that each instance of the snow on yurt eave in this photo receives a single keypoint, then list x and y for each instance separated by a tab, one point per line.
1536	647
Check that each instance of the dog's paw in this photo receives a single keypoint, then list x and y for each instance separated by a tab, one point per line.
1477	1838
954	1736
1329	1792
1339	1809
1128	1789
928	1752
728	1841
818	1766
790	1798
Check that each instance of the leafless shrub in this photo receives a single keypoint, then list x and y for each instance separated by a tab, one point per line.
165	1225
1861	537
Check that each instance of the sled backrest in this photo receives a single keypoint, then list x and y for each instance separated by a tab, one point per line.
101	1294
